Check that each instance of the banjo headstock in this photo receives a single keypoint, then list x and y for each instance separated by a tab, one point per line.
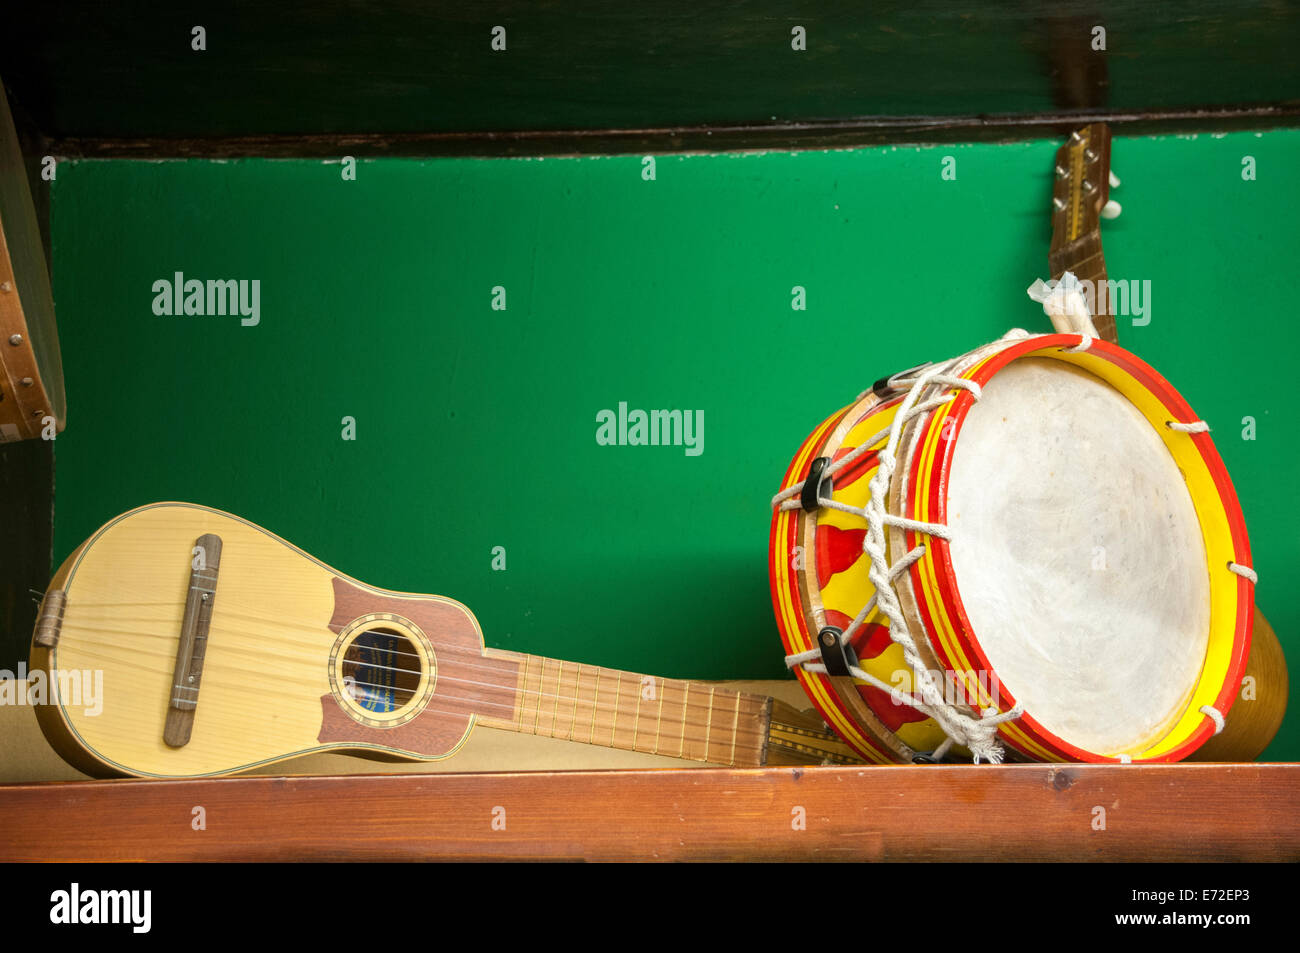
1080	200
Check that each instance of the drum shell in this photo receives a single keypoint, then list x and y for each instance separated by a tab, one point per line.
1024	736
864	716
1260	707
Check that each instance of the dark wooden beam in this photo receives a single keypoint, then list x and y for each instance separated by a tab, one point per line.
838	134
397	68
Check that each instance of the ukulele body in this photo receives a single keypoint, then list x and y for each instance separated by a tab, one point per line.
299	658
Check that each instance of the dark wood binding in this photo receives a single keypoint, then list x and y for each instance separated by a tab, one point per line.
195	624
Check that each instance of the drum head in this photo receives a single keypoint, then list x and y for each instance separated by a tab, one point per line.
1078	556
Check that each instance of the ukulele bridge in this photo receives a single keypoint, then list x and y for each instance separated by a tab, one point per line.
194	640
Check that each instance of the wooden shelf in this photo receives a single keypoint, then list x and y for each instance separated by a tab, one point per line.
1181	812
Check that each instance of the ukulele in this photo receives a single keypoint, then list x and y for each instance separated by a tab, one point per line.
180	641
1080	200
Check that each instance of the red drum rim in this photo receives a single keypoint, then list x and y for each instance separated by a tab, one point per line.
1222	524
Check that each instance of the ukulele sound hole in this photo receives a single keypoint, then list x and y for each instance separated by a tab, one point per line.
381	671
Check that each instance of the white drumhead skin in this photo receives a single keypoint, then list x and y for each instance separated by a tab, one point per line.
1078	556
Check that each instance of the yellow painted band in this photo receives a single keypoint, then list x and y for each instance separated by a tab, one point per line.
1217	536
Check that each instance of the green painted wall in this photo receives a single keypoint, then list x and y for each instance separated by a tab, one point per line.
476	427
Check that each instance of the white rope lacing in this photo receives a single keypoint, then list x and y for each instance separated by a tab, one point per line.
978	735
1065	305
1210	711
1215	716
1244	571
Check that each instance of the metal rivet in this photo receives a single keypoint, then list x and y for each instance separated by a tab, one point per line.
1090	155
6	286
1059	204
1062	171
15	339
27	382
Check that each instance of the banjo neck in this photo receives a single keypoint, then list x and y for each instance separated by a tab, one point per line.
1080	191
676	718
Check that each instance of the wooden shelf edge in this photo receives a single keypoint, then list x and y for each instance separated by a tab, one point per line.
847	133
1183	812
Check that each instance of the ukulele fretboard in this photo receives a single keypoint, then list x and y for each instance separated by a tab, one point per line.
615	709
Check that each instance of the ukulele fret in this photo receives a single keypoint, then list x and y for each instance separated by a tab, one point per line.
708	724
577	687
523	698
686	704
555	710
735	724
618	691
537	711
659	721
717	740
636	719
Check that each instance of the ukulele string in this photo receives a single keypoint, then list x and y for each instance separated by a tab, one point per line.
313	646
713	696
472	659
519	719
558	699
518	722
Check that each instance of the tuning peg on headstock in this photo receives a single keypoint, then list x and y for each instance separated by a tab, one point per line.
1112	208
